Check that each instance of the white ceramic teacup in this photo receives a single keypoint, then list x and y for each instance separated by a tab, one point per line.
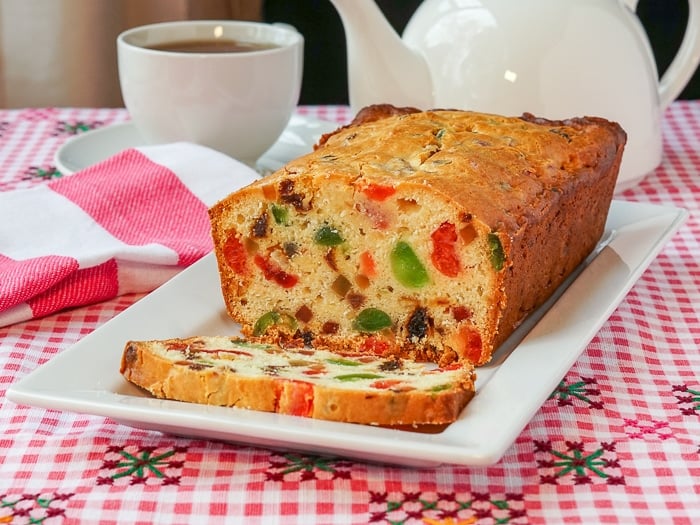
236	102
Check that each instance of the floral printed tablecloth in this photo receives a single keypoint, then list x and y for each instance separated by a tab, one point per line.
617	442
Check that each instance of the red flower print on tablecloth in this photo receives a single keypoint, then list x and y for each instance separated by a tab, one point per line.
41	172
142	465
75	127
688	399
33	508
578	463
449	508
286	467
585	391
655	430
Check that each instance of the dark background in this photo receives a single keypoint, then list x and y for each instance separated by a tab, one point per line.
325	74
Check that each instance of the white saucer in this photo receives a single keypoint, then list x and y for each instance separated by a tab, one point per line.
99	144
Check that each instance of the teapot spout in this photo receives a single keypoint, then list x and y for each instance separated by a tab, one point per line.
381	68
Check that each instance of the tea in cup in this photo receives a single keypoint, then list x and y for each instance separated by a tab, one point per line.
229	85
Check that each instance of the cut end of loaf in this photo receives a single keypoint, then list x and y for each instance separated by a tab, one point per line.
358	265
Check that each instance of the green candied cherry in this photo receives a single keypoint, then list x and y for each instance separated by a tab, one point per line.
498	256
328	235
273	318
343	362
357	377
407	267
372	320
280	214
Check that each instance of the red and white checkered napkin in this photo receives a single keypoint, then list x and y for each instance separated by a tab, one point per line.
124	225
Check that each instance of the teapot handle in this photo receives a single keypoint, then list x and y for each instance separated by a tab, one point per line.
686	60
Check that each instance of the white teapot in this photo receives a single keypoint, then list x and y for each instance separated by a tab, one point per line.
554	58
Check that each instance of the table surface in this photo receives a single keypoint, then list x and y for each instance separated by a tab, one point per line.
617	442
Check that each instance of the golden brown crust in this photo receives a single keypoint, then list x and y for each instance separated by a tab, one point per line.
171	369
528	192
369	114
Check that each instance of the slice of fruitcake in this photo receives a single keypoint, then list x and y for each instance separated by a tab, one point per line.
230	371
428	235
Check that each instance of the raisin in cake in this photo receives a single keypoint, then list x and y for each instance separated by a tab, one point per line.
429	235
230	371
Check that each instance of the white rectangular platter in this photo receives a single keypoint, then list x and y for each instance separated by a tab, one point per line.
526	369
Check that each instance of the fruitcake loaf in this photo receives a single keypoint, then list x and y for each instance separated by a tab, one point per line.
230	371
428	235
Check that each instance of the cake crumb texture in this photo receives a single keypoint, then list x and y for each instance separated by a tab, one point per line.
233	372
